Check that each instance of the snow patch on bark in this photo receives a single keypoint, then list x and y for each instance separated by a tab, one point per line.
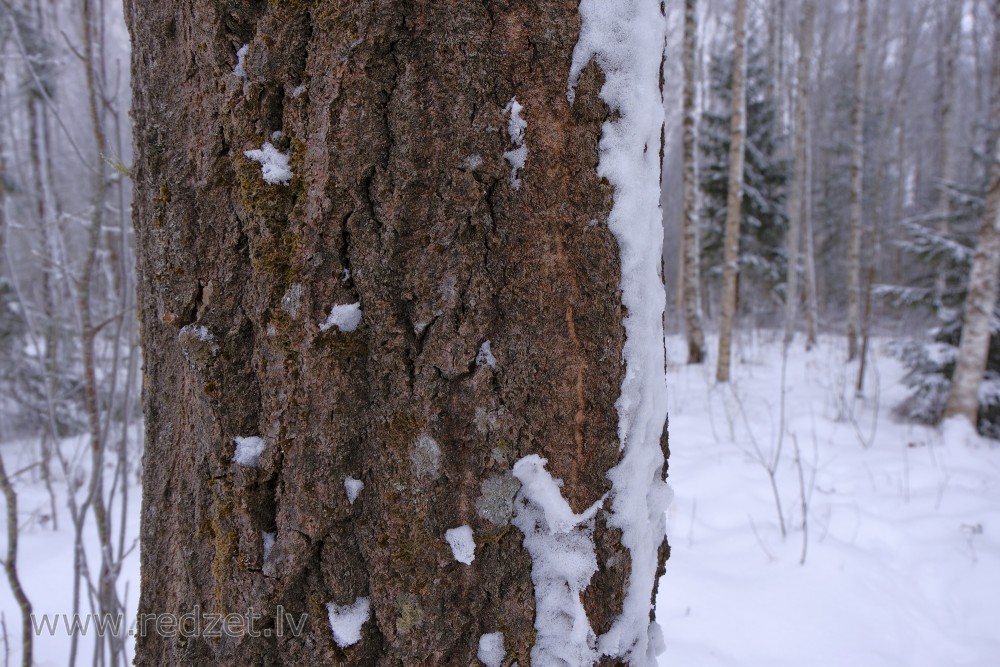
346	621
198	333
491	649
485	356
472	162
516	128
462	544
241	56
273	164
267	541
248	451
353	488
563	560
626	38
343	316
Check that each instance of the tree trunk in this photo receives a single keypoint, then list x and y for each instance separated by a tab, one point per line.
951	31
812	297
691	252
380	269
980	303
734	203
857	183
796	207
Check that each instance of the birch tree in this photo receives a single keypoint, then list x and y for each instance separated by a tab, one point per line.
980	304
800	201
734	204
691	252
812	296
857	185
951	31
797	201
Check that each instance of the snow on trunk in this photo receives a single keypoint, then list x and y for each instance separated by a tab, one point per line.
626	38
563	560
347	620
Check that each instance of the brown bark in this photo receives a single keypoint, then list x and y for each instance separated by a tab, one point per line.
401	200
734	201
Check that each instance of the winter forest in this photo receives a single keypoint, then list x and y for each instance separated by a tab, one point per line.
351	312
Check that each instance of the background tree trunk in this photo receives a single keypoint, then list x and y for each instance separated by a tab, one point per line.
491	324
980	304
857	185
691	251
797	211
951	33
734	204
812	297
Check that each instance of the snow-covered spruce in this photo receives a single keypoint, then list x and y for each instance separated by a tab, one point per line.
463	546
563	559
347	620
248	451
344	316
516	128
626	38
273	164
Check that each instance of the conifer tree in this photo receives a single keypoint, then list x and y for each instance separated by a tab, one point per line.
766	170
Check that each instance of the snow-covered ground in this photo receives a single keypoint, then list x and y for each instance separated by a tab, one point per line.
903	559
45	556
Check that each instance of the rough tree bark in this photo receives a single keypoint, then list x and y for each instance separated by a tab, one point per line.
690	247
492	325
980	303
857	184
734	202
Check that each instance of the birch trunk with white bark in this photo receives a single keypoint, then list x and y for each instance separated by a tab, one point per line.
857	184
796	209
980	303
734	204
690	254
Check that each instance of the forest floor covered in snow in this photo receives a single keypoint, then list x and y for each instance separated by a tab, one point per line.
902	565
